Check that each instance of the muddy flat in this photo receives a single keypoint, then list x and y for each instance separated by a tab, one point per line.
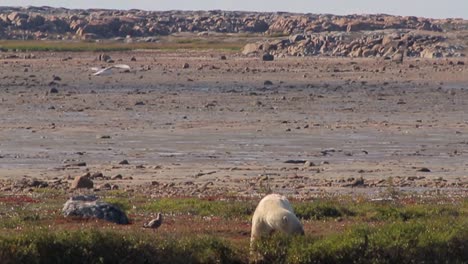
299	126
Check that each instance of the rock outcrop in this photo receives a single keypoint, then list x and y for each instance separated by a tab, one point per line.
357	45
61	23
86	207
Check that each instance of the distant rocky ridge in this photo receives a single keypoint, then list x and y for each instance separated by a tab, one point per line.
61	23
376	44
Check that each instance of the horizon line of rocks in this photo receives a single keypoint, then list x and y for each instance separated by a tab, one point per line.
60	23
378	45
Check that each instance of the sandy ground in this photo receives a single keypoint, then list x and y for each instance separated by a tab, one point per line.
217	128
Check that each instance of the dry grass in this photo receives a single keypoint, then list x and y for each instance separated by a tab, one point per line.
80	46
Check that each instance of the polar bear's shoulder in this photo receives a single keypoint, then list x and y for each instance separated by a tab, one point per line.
275	200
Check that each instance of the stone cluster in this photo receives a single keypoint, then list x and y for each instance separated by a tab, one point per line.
362	45
61	23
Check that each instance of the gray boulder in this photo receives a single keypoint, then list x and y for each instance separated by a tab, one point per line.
89	206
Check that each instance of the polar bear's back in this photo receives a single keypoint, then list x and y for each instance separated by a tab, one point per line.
275	201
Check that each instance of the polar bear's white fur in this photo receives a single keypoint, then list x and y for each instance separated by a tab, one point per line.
274	213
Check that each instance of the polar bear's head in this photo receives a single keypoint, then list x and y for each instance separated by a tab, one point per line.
292	225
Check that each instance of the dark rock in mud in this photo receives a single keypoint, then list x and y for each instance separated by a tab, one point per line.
268	57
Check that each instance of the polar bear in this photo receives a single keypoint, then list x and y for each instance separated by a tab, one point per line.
274	213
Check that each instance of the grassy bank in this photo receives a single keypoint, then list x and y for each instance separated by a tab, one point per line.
216	230
108	46
428	241
441	241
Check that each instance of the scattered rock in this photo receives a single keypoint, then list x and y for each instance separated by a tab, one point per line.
296	161
355	182
96	175
309	164
268	57
53	90
424	170
30	183
82	182
185	66
124	162
104	58
86	207
117	177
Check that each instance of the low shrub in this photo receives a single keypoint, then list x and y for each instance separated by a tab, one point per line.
94	246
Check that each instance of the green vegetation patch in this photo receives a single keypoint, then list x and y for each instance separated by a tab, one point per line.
441	241
93	246
375	211
194	206
108	46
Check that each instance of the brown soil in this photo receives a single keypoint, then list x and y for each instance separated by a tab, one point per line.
218	122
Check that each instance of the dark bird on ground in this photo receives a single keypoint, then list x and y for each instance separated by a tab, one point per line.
155	223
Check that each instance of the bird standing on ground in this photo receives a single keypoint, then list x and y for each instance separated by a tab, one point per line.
155	223
108	70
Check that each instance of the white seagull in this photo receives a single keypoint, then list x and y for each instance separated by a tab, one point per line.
108	70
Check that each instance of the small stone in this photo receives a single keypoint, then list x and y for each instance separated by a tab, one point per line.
104	57
133	59
424	170
223	57
106	186
53	91
82	182
103	137
267	82
124	162
97	175
186	66
117	177
57	78
268	57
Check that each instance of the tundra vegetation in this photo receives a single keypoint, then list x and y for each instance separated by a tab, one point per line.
217	230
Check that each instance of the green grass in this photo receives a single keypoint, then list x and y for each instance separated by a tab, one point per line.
200	207
108	46
94	246
424	231
369	211
440	241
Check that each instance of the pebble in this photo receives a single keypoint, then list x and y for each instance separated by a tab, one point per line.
124	162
